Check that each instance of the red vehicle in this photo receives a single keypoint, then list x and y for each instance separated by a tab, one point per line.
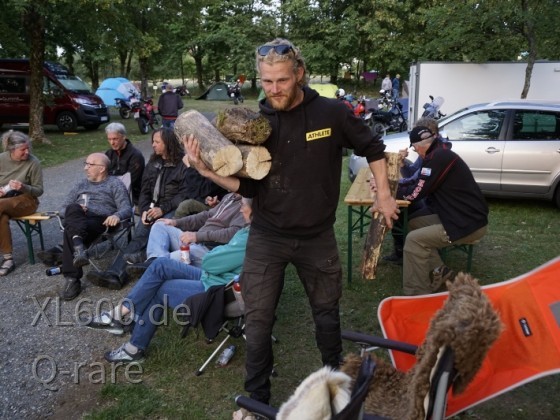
69	102
145	115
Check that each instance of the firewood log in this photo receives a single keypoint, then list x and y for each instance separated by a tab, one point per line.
378	227
256	161
243	125
219	154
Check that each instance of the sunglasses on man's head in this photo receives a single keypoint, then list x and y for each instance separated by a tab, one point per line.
281	49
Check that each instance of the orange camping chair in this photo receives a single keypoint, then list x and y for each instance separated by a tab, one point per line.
527	349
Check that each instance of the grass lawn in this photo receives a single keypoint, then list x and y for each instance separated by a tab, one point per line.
522	235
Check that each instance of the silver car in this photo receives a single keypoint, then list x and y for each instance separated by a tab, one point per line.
511	147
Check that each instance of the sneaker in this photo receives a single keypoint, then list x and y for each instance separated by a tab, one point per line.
439	276
135	257
105	322
393	258
72	289
121	355
80	256
106	279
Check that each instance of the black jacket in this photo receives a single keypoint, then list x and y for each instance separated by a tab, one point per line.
169	104
130	159
174	188
299	196
451	192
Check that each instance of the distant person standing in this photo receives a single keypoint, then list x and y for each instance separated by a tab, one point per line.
169	105
396	86
386	84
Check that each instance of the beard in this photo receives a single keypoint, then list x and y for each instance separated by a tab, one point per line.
284	101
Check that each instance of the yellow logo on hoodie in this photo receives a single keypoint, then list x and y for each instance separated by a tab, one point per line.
319	134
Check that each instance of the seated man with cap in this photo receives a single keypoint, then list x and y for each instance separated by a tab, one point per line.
456	213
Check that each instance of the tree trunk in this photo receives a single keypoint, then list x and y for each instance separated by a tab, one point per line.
378	228
244	125
531	37
35	24
217	152
256	161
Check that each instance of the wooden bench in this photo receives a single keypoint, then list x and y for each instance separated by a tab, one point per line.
359	199
31	226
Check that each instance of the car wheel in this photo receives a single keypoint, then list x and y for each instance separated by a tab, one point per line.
66	121
143	125
124	113
557	197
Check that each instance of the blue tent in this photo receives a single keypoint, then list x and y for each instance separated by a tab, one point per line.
116	87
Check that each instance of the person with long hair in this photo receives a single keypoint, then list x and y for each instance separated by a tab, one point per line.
164	186
21	183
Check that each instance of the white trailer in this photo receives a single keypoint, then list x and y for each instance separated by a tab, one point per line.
462	84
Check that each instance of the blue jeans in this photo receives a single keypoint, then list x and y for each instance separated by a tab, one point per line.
165	241
166	283
168	123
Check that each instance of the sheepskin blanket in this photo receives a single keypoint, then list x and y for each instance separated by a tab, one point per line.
320	396
467	323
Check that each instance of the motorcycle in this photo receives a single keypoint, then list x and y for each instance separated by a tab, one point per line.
125	106
388	116
234	92
145	115
182	91
432	109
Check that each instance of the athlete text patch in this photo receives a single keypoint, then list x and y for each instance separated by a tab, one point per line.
319	134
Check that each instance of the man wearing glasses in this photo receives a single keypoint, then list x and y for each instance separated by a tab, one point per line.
295	204
92	205
455	213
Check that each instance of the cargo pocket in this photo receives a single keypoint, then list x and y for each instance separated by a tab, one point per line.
325	284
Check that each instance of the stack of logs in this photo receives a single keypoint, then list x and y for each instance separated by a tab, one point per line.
231	143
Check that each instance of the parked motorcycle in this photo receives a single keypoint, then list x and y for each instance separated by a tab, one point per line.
432	109
182	91
145	115
234	92
388	116
125	106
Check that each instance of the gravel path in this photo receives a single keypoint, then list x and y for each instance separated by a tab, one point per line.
50	366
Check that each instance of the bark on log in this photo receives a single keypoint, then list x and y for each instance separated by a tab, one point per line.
219	154
256	161
378	228
243	125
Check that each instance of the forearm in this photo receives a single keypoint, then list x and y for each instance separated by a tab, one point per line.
379	170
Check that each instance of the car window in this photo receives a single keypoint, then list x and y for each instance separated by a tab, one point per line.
481	125
12	84
536	125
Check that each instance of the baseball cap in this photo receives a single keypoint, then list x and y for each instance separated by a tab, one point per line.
419	133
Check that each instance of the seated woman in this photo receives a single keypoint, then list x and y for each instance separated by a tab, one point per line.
169	282
21	182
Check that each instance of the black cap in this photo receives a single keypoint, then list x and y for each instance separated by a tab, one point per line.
419	133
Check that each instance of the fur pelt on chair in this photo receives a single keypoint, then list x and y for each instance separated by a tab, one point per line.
467	323
320	396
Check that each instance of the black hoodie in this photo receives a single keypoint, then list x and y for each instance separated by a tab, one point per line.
299	196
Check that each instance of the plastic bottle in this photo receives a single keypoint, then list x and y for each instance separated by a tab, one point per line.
53	271
237	293
226	356
148	218
185	253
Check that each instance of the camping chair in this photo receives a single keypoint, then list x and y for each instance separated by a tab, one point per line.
233	324
527	349
303	398
197	310
114	238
